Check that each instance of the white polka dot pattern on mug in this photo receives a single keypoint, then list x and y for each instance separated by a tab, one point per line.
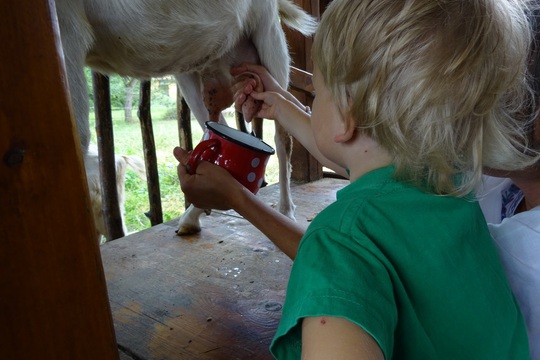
255	162
251	177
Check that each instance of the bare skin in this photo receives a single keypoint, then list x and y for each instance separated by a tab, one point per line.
325	337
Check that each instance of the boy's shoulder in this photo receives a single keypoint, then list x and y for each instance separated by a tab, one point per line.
379	200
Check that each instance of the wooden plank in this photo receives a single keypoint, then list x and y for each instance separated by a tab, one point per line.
54	299
214	295
301	80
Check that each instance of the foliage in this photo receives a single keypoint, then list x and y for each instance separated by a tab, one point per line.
160	92
117	87
118	84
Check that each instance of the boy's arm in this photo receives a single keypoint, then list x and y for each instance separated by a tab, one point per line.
296	121
282	231
325	337
280	105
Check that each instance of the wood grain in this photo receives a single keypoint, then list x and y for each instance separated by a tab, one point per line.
215	295
53	294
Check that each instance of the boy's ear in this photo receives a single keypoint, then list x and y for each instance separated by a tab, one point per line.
348	130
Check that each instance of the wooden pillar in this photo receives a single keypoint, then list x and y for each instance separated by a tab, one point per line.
53	301
184	122
150	158
323	4
305	167
107	161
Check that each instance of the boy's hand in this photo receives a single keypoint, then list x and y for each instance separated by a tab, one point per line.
211	187
268	82
250	78
272	104
245	84
256	83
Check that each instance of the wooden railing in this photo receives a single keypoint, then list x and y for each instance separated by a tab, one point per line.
302	80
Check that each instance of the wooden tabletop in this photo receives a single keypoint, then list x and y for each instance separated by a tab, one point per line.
214	295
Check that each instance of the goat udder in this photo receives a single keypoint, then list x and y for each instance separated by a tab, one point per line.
216	99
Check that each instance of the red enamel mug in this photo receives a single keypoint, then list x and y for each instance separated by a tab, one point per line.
243	155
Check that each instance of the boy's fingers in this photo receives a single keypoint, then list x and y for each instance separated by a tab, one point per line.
239	100
181	155
260	96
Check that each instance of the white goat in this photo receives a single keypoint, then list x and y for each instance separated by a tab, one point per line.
122	162
197	41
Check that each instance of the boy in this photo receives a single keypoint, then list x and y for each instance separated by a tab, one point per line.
413	100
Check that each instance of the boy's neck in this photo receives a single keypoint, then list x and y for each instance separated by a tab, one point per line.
366	155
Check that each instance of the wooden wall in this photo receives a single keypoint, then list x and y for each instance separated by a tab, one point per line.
53	299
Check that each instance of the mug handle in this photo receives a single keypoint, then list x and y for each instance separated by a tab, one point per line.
197	154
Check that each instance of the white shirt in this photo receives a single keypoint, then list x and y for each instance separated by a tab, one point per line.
490	197
518	241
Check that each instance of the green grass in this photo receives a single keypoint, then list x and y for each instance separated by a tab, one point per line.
128	141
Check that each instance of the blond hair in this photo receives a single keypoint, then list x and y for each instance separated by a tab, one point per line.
441	84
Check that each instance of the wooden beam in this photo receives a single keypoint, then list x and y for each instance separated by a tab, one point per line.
54	302
301	80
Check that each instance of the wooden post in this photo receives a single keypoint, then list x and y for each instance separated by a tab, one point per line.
107	162
184	125
149	145
53	301
184	121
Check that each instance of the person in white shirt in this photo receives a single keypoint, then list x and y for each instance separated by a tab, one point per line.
511	205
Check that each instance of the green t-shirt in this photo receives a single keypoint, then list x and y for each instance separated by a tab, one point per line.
418	272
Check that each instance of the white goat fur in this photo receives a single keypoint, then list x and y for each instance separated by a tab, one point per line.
197	41
122	162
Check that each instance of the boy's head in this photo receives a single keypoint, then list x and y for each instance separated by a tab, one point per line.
439	84
532	172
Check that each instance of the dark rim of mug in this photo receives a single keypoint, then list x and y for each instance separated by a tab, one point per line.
240	138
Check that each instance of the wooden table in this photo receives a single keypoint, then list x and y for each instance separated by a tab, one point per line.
214	295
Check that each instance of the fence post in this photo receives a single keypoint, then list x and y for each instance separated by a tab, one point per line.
107	162
154	196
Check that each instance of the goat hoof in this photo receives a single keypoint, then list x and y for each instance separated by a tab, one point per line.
288	212
188	230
